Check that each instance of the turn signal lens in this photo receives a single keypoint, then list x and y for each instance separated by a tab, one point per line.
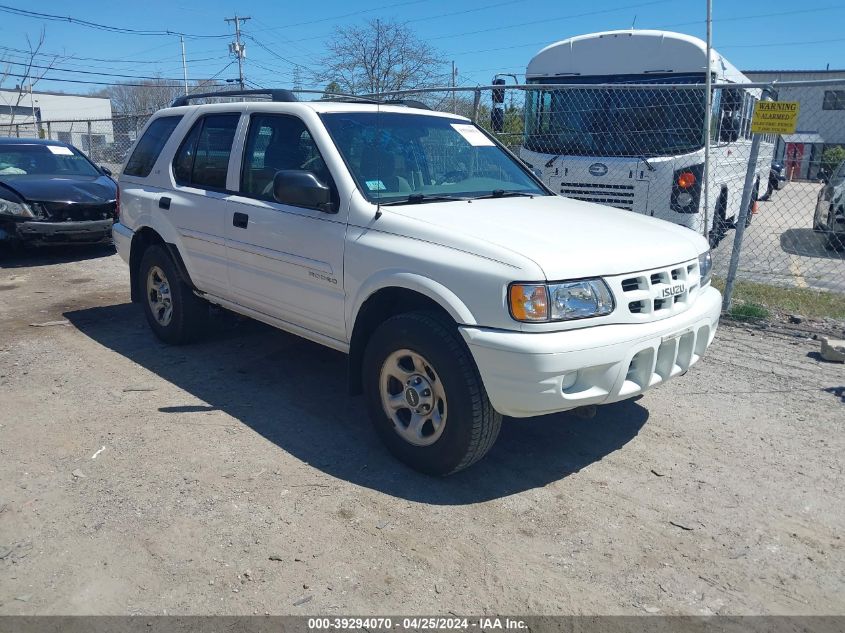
529	302
686	179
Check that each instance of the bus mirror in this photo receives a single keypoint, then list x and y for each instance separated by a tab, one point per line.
498	93
497	119
729	131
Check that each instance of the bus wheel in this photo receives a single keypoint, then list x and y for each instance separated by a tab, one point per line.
720	224
752	204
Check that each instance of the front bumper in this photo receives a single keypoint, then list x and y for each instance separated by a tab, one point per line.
84	231
528	374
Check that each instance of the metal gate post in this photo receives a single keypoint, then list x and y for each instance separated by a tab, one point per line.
49	134
90	146
475	102
740	222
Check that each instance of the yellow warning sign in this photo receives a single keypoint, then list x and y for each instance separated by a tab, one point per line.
775	117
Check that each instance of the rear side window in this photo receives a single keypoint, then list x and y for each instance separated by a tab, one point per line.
149	147
203	157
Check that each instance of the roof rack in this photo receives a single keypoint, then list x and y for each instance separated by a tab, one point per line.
275	95
410	103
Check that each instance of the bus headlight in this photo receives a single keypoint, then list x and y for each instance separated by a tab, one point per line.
705	267
564	301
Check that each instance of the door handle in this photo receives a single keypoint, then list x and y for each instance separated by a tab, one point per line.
240	220
164	203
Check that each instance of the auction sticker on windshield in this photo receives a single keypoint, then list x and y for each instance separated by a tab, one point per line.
472	135
60	150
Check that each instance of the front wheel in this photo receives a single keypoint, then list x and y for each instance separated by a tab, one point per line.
175	314
425	396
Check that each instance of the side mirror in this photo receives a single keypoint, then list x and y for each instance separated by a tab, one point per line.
105	170
301	188
730	130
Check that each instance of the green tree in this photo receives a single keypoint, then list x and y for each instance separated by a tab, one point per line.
832	158
332	88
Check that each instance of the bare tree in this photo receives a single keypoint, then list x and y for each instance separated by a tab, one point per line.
380	57
34	70
144	97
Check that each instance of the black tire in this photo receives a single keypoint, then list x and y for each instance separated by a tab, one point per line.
470	425
720	223
754	197
835	242
189	313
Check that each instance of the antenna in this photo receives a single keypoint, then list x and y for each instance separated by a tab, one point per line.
634	23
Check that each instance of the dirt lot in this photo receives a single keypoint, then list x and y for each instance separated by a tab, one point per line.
236	476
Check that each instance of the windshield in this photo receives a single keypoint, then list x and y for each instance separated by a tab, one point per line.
43	160
414	157
615	122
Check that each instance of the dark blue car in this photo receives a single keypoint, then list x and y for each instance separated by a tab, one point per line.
50	193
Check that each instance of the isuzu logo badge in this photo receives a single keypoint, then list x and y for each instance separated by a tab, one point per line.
598	169
674	290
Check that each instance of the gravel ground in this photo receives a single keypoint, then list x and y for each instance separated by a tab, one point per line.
236	476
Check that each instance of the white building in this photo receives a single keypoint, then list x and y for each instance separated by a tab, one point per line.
821	117
64	117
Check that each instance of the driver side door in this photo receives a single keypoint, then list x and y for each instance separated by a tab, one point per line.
285	261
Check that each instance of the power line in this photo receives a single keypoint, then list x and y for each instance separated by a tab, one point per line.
556	19
272	52
464	11
92	83
662	26
344	15
95	25
93	72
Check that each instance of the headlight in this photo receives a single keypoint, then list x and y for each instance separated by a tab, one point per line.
705	267
7	207
563	301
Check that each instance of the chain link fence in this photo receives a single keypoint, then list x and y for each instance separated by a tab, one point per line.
641	147
105	141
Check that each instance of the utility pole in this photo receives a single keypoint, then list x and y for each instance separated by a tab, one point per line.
454	92
237	47
708	120
184	64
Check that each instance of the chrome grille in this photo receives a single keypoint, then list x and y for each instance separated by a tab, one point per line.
619	196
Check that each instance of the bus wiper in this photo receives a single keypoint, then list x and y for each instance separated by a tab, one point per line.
648	165
420	198
501	193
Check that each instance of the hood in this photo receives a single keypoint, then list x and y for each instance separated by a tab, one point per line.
87	190
567	238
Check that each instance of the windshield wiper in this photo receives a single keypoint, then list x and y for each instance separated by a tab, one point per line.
501	193
648	165
420	198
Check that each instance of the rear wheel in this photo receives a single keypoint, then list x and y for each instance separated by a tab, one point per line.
752	204
720	223
175	314
835	241
425	396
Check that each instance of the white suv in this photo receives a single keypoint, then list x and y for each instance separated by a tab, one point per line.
459	285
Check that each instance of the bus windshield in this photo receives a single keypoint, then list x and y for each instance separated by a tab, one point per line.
617	121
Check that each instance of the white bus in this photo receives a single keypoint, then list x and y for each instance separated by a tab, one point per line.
642	148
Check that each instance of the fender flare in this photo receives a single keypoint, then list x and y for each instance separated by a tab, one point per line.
426	286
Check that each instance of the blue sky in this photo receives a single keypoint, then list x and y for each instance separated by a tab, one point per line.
482	36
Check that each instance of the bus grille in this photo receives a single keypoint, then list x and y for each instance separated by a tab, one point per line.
619	196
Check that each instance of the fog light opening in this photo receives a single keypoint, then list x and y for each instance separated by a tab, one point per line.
568	380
